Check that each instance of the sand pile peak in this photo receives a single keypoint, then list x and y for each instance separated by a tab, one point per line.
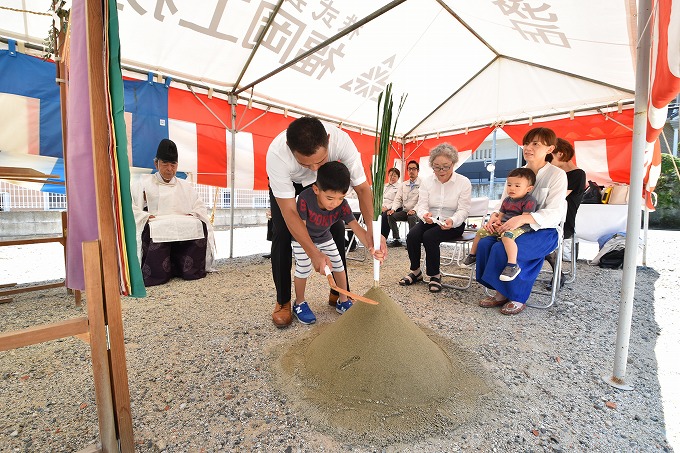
376	353
374	375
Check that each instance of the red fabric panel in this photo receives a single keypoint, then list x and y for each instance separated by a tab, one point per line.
462	142
211	139
665	86
365	143
212	155
617	133
264	129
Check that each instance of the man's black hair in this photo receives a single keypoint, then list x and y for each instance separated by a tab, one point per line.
414	162
333	176
523	172
305	135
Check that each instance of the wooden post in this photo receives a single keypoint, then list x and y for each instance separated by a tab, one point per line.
100	119
100	355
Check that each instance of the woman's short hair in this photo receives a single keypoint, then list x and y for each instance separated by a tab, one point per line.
445	149
542	134
394	170
565	148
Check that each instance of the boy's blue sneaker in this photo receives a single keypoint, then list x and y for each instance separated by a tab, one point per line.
342	307
303	313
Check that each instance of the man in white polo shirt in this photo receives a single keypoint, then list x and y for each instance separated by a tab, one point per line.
293	158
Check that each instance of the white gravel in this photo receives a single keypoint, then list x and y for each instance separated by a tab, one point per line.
203	360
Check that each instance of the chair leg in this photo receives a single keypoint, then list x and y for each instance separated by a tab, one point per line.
458	253
556	277
571	275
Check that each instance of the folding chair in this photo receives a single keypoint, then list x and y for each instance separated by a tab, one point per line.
555	277
355	255
571	273
458	249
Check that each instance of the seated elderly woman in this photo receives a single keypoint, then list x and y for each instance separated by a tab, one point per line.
550	191
174	234
443	205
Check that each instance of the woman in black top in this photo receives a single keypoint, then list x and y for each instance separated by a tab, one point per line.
576	182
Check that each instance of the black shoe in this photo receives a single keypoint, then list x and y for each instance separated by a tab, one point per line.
353	247
267	255
549	286
394	243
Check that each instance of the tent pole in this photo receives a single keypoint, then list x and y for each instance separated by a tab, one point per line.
233	100
644	238
617	379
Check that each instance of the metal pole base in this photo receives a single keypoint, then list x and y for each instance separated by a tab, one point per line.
617	383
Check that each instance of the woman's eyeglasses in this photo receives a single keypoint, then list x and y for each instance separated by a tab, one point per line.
442	168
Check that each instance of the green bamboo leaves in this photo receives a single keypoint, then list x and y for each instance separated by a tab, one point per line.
385	131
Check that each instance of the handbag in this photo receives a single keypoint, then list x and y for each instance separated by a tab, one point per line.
592	194
619	194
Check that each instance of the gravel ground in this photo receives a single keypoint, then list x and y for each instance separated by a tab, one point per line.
205	374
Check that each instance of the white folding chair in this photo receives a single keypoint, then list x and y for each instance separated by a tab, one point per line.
455	251
554	282
571	272
356	255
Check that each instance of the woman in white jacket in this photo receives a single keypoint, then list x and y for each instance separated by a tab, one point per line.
550	191
443	205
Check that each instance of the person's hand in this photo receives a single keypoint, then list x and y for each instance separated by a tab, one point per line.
493	222
511	224
384	208
446	225
411	212
320	261
381	254
390	211
427	217
152	217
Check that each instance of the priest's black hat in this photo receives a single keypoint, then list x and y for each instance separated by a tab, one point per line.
167	151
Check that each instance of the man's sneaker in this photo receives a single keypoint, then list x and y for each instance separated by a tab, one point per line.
394	243
342	307
303	313
470	260
510	272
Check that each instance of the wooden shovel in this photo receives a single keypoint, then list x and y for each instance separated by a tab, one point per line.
331	282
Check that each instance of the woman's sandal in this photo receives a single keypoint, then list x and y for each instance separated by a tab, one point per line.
411	278
512	308
435	284
492	302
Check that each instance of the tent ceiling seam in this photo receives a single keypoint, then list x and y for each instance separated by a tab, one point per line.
265	29
467	27
452	95
379	12
569	74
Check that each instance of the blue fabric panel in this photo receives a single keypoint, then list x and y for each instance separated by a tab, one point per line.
32	77
58	169
148	103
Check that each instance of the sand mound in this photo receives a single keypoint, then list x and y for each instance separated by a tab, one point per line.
374	373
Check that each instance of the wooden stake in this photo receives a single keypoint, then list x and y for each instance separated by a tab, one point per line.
99	119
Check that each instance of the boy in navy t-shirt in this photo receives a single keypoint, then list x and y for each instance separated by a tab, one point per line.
520	183
320	206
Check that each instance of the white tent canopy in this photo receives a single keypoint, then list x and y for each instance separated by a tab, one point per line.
462	63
